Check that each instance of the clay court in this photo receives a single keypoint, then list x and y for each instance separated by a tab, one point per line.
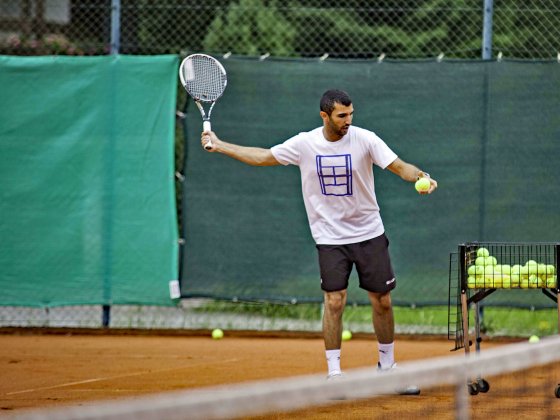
48	370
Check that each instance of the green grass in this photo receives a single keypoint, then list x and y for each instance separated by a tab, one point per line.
511	322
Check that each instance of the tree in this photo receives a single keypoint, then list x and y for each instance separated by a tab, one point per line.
251	27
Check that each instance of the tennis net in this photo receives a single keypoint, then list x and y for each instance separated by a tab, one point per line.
523	380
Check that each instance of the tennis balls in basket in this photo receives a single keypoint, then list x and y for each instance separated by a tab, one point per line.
422	185
346	335
217	334
482	252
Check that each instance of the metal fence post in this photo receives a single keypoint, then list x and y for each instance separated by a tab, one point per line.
115	26
115	46
487	30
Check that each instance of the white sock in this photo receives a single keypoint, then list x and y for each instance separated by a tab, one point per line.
386	355
333	361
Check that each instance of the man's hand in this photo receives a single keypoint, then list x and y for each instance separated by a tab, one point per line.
209	137
433	186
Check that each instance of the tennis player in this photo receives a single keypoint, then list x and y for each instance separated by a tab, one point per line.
336	163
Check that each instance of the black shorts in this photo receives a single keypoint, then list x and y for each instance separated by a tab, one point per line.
372	261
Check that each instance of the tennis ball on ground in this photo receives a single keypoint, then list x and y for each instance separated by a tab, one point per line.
482	252
422	185
217	334
346	335
534	339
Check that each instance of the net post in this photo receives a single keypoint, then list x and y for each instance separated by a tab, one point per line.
461	399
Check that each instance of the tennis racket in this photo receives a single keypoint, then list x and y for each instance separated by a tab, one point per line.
205	80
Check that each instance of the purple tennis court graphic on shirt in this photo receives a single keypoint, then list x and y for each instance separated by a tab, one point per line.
335	174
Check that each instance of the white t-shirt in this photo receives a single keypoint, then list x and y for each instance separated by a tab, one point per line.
337	182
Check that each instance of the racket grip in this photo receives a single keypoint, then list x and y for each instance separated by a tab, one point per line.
206	126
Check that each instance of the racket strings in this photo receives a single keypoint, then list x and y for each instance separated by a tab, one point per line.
204	79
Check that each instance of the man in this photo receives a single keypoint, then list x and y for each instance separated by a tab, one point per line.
336	163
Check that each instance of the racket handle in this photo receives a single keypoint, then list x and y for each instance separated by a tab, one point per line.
206	126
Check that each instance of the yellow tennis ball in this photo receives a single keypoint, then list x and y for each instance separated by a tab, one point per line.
217	334
482	252
534	339
422	185
480	261
346	335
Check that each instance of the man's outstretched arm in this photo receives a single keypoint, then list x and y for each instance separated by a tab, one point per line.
411	173
255	156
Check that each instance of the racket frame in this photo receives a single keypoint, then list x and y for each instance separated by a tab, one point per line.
206	125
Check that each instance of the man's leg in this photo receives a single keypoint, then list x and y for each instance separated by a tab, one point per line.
334	303
384	326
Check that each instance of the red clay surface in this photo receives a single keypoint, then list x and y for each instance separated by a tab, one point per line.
52	370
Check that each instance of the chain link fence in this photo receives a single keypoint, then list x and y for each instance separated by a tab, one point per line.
357	29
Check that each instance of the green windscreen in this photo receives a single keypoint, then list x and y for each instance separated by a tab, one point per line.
87	208
488	132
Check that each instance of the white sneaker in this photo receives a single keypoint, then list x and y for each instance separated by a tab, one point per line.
407	390
335	376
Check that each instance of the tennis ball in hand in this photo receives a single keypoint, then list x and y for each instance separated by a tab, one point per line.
217	334
422	185
346	335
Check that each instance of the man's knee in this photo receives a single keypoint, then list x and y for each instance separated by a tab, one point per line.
335	301
381	302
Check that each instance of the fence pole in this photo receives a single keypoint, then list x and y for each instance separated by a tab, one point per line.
487	30
115	46
115	26
486	55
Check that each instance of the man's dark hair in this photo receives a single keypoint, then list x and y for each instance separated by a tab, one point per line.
330	97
